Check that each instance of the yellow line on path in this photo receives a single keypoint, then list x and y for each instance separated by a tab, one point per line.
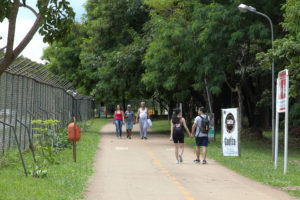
164	170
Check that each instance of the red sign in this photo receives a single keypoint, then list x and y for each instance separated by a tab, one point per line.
282	90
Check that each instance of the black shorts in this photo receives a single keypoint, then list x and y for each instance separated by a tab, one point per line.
178	138
202	141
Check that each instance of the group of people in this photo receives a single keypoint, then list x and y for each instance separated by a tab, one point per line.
129	119
199	129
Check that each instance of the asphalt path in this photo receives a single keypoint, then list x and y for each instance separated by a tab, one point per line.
146	170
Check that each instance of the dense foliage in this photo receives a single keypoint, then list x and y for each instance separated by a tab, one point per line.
53	19
194	52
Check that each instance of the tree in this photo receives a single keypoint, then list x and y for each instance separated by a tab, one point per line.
286	54
115	47
63	58
53	18
286	51
196	43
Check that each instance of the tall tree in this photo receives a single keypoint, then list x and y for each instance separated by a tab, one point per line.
53	18
115	45
63	58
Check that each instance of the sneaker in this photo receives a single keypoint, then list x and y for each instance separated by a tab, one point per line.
204	162
142	138
145	138
180	158
177	161
129	137
197	161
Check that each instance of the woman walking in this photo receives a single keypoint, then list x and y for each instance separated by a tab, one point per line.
142	116
118	120
177	134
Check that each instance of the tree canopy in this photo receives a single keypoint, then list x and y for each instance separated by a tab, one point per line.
53	19
193	52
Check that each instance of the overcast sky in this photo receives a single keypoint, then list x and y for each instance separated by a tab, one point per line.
25	19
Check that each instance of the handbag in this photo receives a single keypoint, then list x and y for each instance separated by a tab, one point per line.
149	122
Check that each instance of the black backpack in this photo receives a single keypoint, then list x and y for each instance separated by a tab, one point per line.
178	129
204	127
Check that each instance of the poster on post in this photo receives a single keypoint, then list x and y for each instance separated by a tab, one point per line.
230	132
282	91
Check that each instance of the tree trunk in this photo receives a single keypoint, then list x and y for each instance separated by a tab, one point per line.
11	54
124	102
240	101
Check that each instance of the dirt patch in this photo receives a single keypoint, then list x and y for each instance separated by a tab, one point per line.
291	188
297	162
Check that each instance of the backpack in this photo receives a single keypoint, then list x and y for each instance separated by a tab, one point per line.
177	129
204	126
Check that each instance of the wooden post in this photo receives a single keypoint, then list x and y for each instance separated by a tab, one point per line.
74	142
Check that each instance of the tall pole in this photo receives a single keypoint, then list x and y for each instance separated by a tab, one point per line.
273	85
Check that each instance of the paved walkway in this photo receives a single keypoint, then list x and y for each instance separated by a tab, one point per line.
146	170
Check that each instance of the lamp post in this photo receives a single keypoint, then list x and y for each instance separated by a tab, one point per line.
244	8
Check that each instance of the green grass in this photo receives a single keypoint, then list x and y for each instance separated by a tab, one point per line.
256	160
66	180
160	126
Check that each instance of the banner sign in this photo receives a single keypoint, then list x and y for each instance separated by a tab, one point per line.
211	132
282	87
230	132
282	106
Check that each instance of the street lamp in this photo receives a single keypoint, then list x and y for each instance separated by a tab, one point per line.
244	8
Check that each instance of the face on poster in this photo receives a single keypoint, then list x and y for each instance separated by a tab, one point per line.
230	132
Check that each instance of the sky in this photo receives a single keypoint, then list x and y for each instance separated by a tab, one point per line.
25	20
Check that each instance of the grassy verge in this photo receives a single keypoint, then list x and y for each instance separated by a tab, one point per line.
160	126
65	180
256	160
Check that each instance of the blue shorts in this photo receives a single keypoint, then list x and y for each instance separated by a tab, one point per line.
129	125
202	141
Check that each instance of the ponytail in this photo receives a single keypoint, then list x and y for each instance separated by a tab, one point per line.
175	119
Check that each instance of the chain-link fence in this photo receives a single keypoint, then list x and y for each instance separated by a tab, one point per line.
28	91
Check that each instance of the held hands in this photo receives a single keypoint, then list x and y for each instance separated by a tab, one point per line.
191	135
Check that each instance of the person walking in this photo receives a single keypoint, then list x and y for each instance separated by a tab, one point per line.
177	134
129	117
118	121
142	117
201	125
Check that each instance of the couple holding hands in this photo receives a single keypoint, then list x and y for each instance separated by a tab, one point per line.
199	131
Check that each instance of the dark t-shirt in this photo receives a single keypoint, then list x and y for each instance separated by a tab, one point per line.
129	116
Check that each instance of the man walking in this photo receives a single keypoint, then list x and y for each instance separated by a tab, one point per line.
202	124
142	117
129	117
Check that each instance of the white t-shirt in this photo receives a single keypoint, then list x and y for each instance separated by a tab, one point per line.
143	114
197	121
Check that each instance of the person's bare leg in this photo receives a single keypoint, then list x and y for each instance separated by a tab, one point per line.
181	146
129	133
204	153
198	152
176	151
